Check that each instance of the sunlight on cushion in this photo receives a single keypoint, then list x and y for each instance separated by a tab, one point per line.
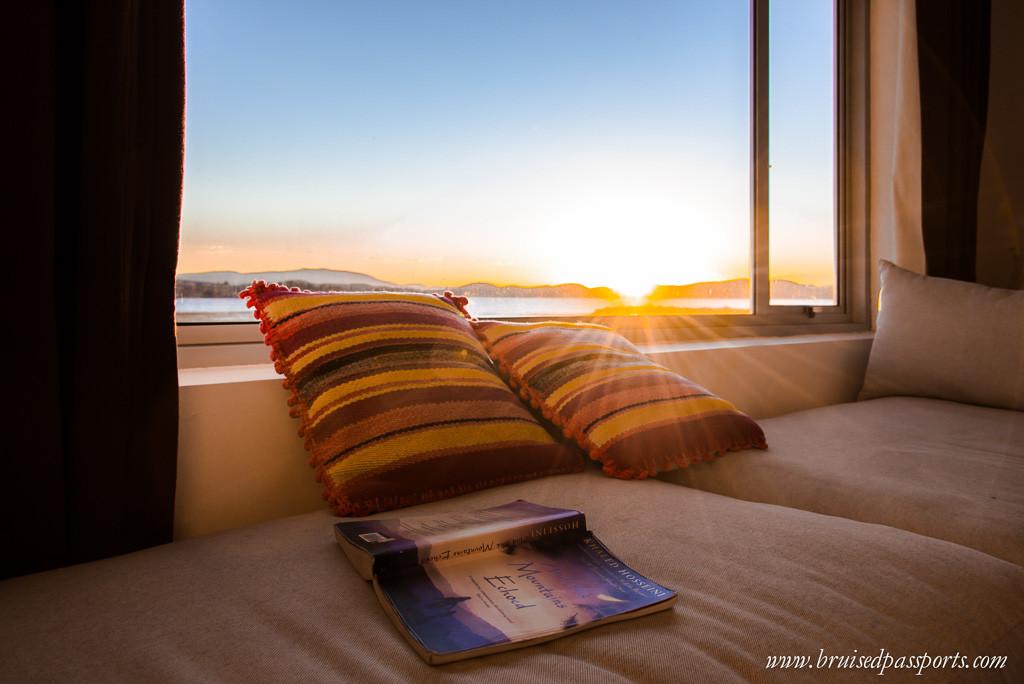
634	416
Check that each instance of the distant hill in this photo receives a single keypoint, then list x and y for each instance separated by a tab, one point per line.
787	289
726	289
739	289
320	276
225	284
572	290
230	283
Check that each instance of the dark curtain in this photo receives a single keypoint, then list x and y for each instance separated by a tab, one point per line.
953	39
97	148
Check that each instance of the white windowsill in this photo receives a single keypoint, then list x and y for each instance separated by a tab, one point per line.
222	375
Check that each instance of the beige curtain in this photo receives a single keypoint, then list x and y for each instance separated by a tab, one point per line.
1001	195
895	120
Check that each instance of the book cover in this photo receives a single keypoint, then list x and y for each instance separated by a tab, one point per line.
517	597
384	544
480	582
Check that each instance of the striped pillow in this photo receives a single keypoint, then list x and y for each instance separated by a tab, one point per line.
398	402
632	415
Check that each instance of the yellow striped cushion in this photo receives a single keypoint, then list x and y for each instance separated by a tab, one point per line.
629	413
397	400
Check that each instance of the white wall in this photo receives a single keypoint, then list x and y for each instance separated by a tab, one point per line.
772	376
240	459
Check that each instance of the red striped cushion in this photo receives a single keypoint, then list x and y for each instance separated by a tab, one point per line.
629	413
398	402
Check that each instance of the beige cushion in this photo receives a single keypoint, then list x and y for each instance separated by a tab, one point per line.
942	469
280	602
947	339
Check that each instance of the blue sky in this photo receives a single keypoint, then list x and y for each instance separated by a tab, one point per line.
444	142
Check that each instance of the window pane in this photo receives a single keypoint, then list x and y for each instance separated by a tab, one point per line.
802	152
446	143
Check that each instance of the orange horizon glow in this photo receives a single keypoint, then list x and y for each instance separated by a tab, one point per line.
437	272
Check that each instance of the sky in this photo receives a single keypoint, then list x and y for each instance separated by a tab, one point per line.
444	142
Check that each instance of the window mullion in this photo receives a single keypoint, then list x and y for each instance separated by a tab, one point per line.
759	276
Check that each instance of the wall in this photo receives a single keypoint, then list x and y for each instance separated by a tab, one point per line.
240	460
773	376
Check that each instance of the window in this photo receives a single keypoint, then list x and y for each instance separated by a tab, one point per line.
544	158
801	150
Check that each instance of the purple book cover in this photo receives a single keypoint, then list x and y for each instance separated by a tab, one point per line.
522	594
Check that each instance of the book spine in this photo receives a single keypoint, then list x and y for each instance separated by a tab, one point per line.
572	524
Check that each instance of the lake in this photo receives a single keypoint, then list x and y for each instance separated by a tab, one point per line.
234	310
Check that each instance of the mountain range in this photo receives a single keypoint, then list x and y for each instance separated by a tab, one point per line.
230	283
314	276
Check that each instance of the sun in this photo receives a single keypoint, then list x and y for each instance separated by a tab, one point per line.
630	230
633	287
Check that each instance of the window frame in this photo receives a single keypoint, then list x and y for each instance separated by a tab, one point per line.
220	344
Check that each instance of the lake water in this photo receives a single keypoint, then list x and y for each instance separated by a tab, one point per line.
225	310
234	310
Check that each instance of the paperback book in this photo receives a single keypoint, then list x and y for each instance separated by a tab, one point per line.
472	583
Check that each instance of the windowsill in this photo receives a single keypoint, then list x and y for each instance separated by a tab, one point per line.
220	375
739	342
242	345
223	375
